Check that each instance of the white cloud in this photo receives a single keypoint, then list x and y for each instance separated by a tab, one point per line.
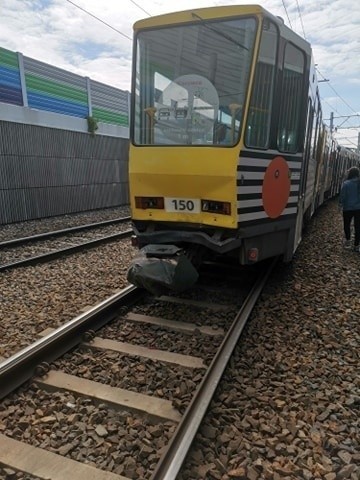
59	33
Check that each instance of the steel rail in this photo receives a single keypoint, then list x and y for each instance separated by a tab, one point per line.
56	233
45	257
173	458
20	367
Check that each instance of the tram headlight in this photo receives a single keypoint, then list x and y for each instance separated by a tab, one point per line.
149	202
212	206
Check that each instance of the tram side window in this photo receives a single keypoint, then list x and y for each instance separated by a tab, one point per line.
315	129
292	99
259	117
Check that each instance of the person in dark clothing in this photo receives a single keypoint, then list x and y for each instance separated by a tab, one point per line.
350	203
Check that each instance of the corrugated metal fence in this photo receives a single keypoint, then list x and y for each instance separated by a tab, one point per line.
46	171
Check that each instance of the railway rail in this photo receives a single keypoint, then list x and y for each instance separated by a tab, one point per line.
47	246
175	405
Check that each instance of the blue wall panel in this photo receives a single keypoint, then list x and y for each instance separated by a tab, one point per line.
10	86
52	104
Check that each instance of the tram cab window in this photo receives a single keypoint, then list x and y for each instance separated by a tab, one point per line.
259	117
191	82
292	98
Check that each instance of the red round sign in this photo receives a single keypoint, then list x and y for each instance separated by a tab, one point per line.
276	187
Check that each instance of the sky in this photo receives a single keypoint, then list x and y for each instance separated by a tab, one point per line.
93	38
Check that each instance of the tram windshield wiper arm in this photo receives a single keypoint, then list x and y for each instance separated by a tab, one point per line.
218	32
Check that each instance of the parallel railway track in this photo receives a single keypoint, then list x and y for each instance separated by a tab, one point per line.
176	403
44	247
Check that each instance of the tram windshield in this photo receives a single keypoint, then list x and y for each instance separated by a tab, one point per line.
191	81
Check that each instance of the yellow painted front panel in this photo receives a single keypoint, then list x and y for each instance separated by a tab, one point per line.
184	172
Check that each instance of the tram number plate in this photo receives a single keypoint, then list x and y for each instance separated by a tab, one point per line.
185	205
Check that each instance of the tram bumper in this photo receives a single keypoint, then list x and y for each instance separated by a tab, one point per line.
159	268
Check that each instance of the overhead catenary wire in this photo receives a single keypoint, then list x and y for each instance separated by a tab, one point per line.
100	20
322	76
141	8
147	13
337	94
283	2
334	109
300	16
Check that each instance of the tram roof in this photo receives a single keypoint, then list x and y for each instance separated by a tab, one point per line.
223	12
209	13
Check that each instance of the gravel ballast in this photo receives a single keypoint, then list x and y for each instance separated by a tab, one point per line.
48	295
288	405
44	225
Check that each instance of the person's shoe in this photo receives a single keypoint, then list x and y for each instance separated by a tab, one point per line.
347	243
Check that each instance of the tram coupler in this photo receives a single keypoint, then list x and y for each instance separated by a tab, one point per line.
159	268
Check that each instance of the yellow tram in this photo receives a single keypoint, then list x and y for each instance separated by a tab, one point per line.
225	154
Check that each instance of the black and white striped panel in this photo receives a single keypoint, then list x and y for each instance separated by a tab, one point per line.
250	176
